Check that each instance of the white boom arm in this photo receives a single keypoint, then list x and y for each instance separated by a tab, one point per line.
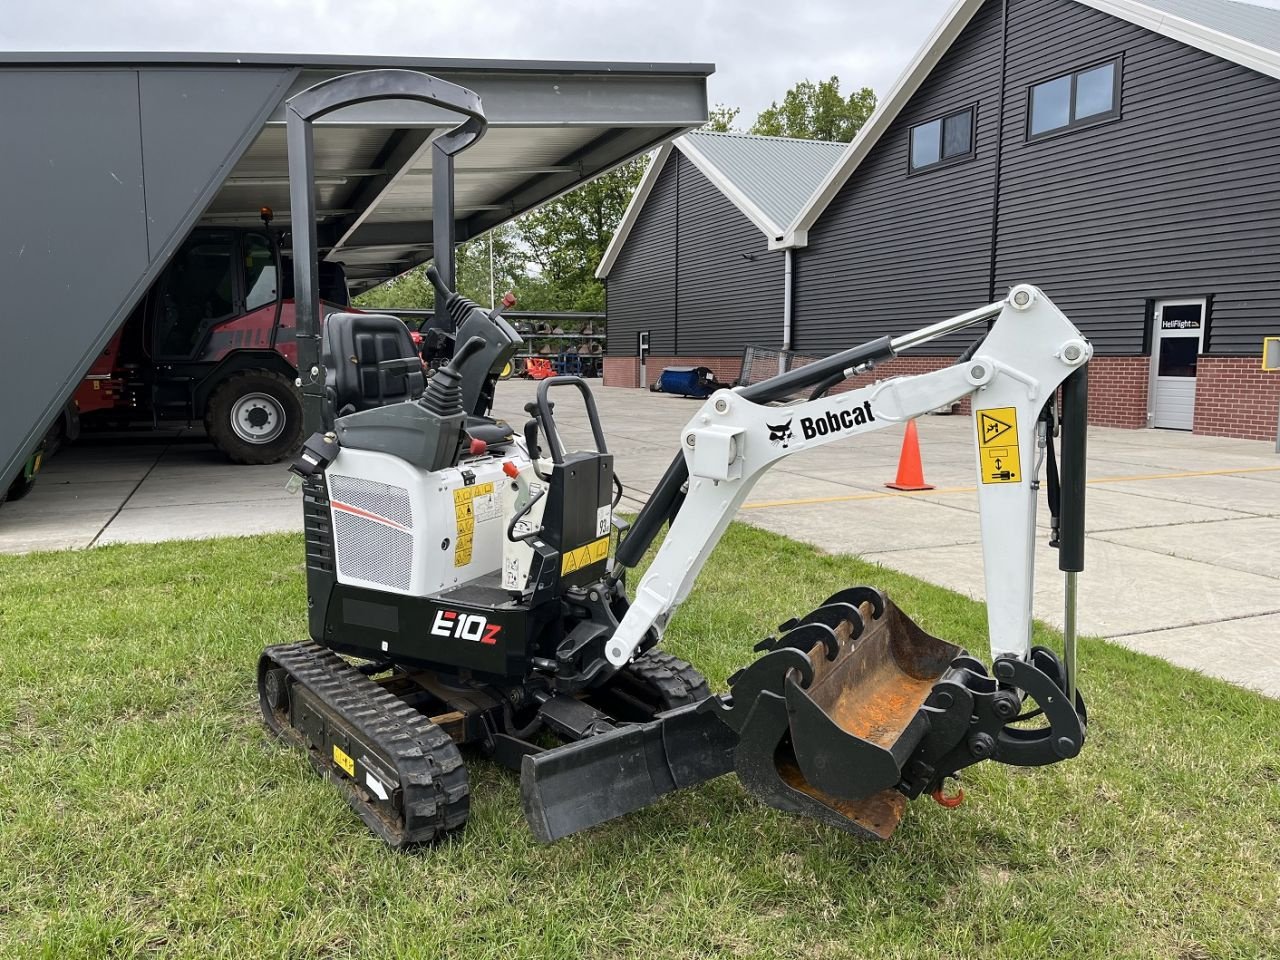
731	441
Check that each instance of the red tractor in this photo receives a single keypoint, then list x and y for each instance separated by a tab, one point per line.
213	340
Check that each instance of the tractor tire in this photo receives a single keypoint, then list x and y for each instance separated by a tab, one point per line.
255	417
20	487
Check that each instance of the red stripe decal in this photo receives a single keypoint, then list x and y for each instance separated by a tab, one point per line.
366	514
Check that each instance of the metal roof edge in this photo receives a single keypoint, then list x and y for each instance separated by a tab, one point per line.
347	61
632	213
1250	55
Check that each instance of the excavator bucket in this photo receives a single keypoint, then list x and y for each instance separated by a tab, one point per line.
830	715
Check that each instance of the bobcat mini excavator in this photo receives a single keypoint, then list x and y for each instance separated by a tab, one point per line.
466	570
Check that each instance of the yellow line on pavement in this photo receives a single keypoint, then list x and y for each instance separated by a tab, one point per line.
871	495
891	494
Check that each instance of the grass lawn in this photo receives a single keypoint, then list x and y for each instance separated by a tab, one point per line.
145	812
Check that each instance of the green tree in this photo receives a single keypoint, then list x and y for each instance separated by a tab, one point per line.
817	111
412	290
566	239
720	119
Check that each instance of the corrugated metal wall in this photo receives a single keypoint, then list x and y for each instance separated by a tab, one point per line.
641	289
694	272
729	286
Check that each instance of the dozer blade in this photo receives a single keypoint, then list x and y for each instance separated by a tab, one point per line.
829	716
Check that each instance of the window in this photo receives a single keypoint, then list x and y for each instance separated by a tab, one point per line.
1084	97
945	139
260	272
197	291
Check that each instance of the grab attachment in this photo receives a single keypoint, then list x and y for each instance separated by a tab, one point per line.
856	709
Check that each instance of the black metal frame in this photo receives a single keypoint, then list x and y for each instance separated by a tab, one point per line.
301	112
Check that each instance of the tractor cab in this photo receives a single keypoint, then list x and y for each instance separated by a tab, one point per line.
214	340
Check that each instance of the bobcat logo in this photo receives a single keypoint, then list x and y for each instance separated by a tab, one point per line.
779	433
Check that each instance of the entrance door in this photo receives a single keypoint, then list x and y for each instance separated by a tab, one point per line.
1176	341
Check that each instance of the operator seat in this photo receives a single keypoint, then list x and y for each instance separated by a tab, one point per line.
353	347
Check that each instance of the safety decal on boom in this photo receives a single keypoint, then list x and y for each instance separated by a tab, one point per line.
470	504
998	459
593	552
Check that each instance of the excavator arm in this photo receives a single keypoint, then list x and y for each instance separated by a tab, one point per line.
854	709
731	441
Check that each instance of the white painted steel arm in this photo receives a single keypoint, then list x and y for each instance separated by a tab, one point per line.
731	441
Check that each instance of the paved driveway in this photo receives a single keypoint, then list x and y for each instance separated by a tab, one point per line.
1183	557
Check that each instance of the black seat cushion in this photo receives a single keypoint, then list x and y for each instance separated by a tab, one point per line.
495	433
354	345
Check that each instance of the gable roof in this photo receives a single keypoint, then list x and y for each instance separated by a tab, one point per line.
1240	32
768	179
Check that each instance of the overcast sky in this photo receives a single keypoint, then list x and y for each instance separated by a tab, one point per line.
759	47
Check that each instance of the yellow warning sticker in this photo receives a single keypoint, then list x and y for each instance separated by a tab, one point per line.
593	552
467	494
998	458
344	761
464	512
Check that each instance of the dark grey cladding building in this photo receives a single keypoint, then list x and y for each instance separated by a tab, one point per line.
1123	155
691	263
111	159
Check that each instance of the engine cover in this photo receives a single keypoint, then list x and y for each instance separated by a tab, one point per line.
415	532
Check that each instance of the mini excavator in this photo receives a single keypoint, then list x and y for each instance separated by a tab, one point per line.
465	591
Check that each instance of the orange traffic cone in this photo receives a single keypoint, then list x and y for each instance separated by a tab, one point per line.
910	470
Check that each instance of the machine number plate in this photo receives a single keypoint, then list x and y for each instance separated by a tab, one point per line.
344	761
998	457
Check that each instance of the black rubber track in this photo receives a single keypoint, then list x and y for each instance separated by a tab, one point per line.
673	681
433	798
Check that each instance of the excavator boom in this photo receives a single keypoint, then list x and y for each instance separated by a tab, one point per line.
855	708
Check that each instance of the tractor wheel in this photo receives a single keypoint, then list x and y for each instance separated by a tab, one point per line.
255	417
20	487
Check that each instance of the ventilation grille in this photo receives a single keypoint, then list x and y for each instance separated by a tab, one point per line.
369	549
390	503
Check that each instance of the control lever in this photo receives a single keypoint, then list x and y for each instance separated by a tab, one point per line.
506	303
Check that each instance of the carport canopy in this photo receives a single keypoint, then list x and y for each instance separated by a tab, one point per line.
126	152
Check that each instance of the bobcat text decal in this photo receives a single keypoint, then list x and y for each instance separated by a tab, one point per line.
834	421
465	626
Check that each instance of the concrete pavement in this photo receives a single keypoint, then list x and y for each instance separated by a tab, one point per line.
1183	555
